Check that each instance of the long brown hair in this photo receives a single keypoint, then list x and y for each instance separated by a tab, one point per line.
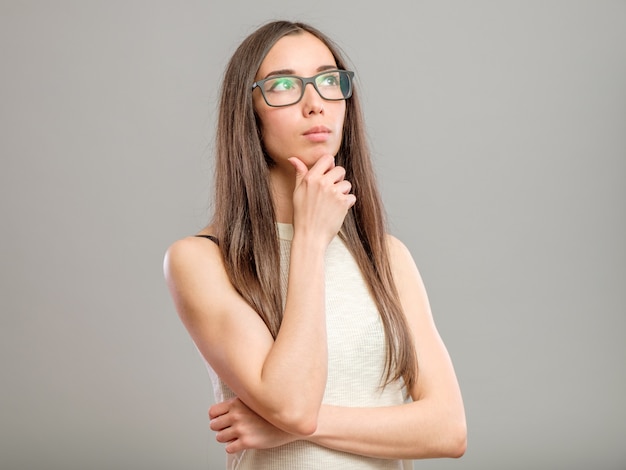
244	218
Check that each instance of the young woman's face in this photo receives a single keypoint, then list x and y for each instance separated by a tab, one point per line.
312	127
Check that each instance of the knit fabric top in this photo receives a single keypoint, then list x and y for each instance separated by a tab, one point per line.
356	361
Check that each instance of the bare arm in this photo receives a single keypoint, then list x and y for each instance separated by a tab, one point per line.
267	374
432	425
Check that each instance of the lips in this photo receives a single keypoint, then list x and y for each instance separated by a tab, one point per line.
317	134
317	130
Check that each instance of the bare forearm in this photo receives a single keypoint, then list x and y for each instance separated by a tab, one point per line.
411	431
299	354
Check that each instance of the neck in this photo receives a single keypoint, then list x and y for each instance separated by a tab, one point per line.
282	184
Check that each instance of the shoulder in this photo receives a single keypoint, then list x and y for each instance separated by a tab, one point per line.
406	276
398	251
190	253
187	250
193	267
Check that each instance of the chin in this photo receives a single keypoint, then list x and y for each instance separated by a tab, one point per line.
311	158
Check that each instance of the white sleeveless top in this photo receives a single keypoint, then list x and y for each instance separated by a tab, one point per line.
356	360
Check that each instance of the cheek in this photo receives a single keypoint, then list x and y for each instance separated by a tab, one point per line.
273	136
341	120
275	127
336	111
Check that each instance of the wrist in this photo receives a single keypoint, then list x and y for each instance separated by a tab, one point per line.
309	243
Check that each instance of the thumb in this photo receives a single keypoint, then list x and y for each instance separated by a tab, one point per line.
300	167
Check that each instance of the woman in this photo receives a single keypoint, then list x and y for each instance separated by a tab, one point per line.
311	318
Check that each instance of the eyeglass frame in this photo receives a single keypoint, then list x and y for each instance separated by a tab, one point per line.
305	82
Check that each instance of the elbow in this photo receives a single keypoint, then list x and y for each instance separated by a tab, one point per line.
453	433
299	421
449	440
456	442
298	424
295	413
305	428
458	448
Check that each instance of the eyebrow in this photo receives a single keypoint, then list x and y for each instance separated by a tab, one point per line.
321	68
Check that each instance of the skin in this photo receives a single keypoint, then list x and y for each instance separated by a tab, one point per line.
273	408
284	129
311	192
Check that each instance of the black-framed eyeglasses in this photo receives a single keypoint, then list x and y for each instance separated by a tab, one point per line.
285	90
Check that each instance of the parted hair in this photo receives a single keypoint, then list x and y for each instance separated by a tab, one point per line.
244	217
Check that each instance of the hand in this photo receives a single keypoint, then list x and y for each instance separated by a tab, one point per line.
321	197
242	428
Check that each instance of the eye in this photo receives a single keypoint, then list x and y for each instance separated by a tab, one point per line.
330	79
282	84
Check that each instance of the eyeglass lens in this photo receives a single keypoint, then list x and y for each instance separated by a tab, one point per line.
286	90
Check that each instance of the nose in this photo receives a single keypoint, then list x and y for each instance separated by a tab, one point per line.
312	102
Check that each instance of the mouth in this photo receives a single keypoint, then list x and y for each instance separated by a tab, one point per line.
317	134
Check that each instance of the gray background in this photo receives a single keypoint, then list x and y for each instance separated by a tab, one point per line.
499	132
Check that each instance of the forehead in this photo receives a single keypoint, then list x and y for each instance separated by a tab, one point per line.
302	54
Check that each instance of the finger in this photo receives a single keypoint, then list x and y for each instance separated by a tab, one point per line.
214	411
220	423
300	167
343	187
220	408
234	446
323	165
217	410
226	435
336	174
